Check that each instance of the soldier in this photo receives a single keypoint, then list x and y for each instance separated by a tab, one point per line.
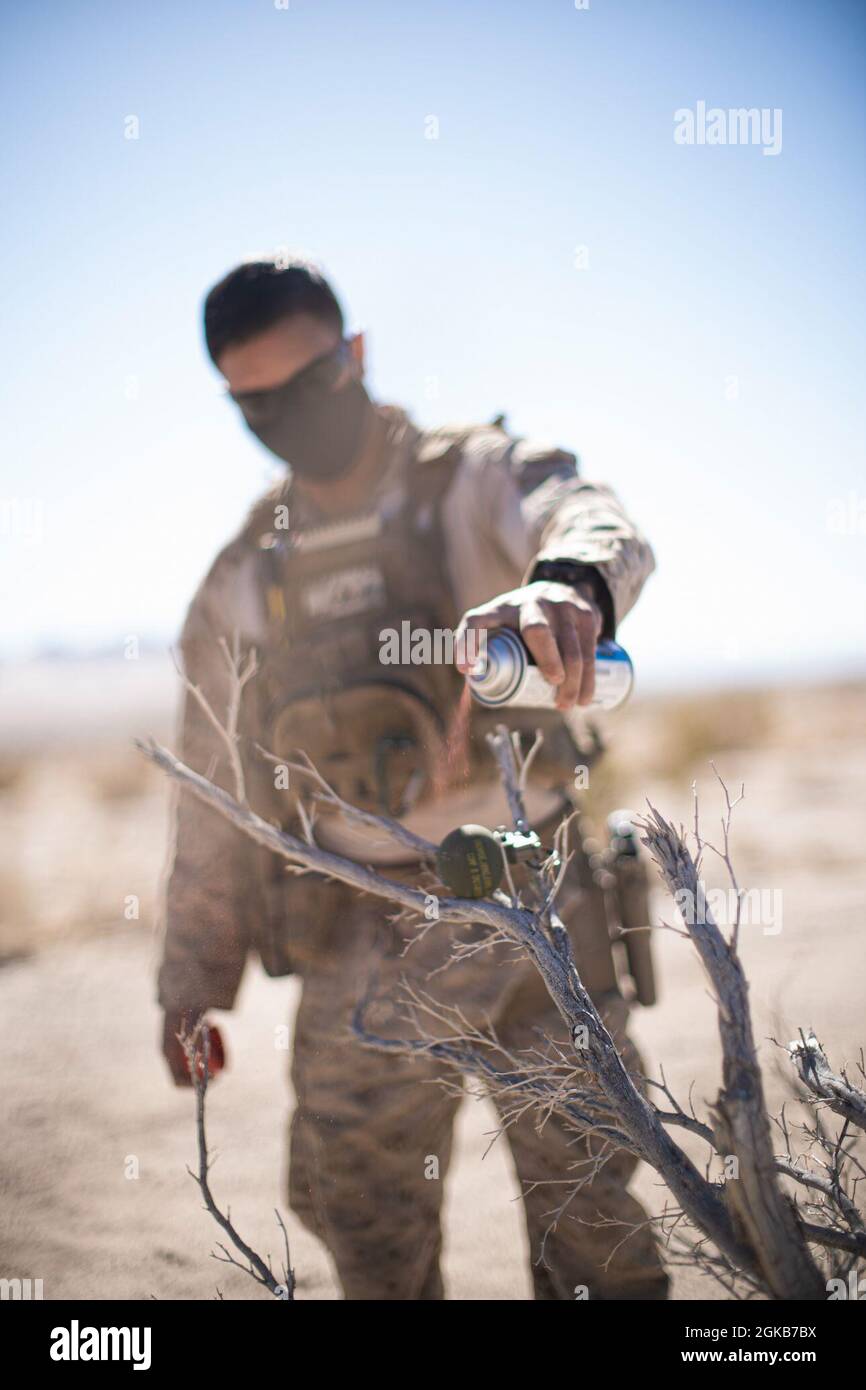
376	524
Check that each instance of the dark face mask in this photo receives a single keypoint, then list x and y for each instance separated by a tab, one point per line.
309	424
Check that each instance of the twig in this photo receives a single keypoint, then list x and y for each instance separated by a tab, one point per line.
391	830
815	1072
256	1266
239	676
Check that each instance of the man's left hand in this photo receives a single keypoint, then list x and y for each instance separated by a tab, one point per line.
560	625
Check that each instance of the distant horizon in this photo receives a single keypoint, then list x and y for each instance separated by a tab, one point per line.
651	677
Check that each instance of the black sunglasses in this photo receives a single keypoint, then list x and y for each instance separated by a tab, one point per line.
322	374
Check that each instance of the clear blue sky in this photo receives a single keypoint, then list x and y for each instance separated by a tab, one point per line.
305	127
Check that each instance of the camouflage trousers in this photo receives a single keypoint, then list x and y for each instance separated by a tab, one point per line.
367	1122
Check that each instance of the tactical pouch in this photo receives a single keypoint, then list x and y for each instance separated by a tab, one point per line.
378	745
632	897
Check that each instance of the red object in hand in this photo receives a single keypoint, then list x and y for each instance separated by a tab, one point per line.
178	1026
216	1057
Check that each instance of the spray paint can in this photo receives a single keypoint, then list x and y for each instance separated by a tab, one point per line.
507	675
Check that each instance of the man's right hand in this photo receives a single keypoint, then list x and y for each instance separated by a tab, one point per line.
177	1025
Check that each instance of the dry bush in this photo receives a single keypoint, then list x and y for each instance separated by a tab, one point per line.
773	1211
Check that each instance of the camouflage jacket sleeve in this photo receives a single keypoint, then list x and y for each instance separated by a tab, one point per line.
534	504
214	886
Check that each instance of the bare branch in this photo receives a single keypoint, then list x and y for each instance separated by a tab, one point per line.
835	1239
239	675
197	1045
389	829
815	1072
764	1216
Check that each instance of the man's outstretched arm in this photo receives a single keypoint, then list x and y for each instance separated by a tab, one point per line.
584	562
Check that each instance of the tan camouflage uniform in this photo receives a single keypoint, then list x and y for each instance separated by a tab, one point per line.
366	1123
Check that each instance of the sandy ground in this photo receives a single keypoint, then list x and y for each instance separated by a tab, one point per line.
95	1197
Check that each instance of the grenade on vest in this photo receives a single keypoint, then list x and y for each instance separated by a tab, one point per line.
506	674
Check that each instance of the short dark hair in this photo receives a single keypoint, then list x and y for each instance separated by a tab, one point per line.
257	294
